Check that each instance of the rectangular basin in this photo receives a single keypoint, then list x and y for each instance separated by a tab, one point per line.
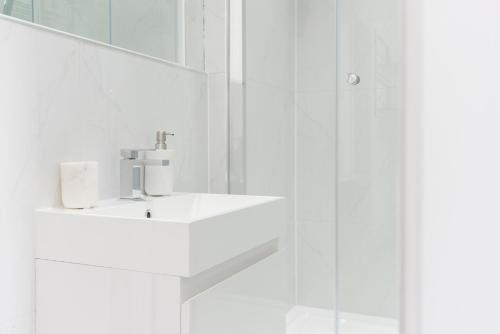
185	234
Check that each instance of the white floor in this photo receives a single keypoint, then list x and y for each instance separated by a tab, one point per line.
307	320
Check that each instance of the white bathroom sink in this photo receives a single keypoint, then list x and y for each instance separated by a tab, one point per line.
185	235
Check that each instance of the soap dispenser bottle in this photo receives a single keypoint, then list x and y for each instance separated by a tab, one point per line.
159	173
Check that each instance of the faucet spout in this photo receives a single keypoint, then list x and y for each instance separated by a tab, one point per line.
132	167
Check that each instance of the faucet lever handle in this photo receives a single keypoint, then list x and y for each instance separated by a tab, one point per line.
133	154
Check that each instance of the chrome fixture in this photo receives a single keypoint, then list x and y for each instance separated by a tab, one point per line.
132	166
353	79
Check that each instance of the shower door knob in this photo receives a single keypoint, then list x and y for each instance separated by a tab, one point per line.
353	79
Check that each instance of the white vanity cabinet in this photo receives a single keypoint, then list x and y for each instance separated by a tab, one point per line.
140	267
82	299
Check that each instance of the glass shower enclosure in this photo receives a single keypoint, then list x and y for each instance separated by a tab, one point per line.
369	134
319	122
332	147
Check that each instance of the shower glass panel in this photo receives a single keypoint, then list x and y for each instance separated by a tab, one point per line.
369	109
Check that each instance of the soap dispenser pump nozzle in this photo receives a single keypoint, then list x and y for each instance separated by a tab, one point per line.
161	139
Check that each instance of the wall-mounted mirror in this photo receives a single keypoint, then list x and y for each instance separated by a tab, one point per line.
172	30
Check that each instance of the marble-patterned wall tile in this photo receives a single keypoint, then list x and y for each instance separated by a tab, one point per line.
316	45
67	99
194	32
316	156
237	156
218	131
215	36
269	134
270	42
316	152
316	261
215	66
269	113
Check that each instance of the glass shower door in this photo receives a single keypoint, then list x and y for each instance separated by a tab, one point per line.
369	109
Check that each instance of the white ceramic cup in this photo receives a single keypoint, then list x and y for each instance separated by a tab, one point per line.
79	184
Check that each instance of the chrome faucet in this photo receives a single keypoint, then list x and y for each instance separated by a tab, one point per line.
132	167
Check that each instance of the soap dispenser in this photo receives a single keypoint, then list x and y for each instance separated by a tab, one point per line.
159	173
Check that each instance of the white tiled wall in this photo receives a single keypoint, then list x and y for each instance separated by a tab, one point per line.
194	31
316	134
269	119
215	33
66	99
215	65
217	94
